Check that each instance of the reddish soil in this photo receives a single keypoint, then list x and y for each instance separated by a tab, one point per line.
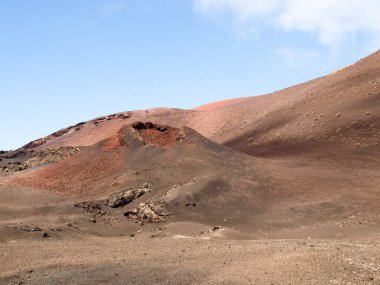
113	142
158	135
100	168
80	175
90	171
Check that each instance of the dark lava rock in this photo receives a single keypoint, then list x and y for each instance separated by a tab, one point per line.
126	196
93	207
216	228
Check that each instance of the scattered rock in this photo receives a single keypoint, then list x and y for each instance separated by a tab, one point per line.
158	236
92	207
80	124
13	166
147	185
124	116
124	197
72	225
55	229
45	235
22	159
60	132
35	229
216	228
150	213
29	229
51	155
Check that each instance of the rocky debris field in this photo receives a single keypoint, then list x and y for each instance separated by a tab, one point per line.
78	127
13	161
147	213
52	155
92	207
143	213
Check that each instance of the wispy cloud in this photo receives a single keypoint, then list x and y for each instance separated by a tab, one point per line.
333	22
112	9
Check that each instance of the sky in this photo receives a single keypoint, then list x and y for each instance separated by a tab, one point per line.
62	62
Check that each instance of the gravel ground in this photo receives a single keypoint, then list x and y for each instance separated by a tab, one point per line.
189	261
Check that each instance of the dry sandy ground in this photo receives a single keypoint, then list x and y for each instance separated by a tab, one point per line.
78	251
189	261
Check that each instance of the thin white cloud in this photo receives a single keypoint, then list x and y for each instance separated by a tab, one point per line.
333	22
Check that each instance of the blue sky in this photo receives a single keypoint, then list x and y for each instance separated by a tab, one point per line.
62	62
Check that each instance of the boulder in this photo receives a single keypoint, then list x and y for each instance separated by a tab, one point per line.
124	197
150	212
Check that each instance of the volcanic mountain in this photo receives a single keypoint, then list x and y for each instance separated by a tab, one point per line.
192	176
275	189
339	111
306	156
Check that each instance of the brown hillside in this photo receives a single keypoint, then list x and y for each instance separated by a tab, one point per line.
306	156
337	112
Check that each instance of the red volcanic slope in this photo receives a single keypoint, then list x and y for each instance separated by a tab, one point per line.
100	168
342	109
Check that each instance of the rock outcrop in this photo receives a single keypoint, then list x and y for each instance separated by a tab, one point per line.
147	213
124	197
